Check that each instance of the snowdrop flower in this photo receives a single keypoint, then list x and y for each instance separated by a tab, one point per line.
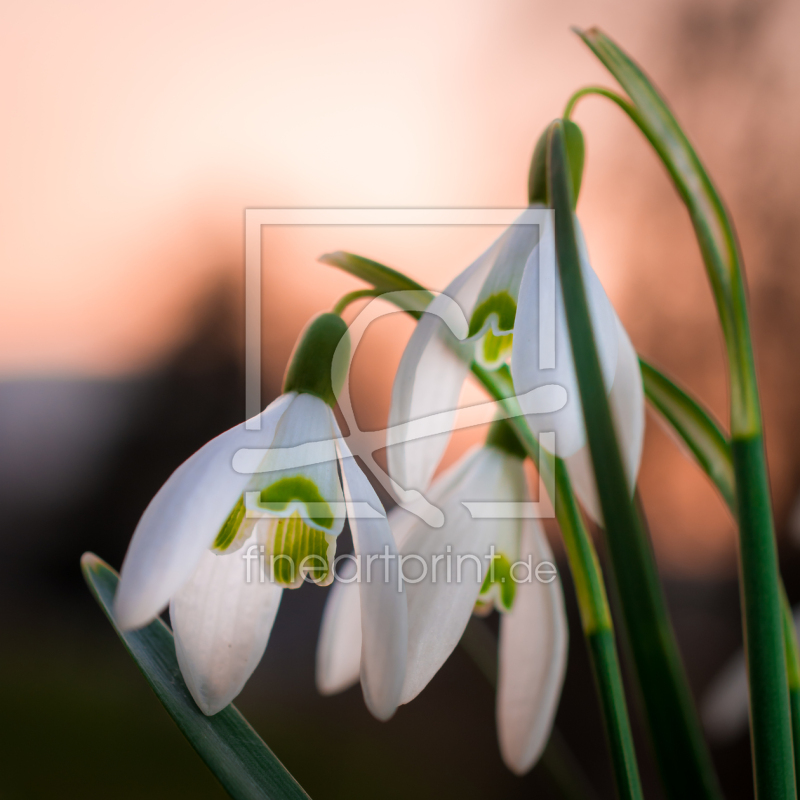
471	563
220	544
500	295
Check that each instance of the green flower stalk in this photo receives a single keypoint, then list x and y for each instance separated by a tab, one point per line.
759	578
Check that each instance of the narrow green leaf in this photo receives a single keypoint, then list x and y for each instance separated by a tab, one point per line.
618	512
233	751
793	671
385	280
769	697
695	428
715	234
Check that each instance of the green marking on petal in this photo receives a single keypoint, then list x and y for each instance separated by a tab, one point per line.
495	318
493	350
499	586
500	304
277	496
295	550
227	533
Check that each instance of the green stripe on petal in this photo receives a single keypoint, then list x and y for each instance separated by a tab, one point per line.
227	533
294	550
277	496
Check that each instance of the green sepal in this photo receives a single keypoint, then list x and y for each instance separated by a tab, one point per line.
311	368
538	189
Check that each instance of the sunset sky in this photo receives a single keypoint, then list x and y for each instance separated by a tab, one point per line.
135	135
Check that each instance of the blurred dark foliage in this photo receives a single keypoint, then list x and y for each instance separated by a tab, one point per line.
80	721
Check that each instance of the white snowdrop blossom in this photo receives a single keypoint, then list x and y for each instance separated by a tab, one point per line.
501	295
220	544
470	564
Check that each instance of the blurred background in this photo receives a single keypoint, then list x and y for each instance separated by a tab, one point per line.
133	138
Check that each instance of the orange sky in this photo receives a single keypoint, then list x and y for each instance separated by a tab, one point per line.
134	135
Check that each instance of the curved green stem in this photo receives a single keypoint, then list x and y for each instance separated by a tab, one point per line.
352	297
622	102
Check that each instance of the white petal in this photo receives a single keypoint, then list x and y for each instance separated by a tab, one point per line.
568	421
516	246
222	623
184	518
627	409
384	616
533	659
430	377
339	645
440	605
305	444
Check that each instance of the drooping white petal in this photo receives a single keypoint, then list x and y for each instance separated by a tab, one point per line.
457	557
515	247
184	518
430	377
384	616
339	645
532	659
222	618
567	423
627	410
304	446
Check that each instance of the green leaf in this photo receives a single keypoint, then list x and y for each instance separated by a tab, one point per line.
618	512
385	280
715	235
773	757
233	751
695	428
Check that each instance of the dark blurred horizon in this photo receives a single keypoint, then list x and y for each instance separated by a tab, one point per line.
71	691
